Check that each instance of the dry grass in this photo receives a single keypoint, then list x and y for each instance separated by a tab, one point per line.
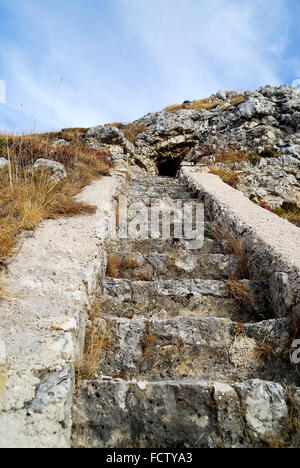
206	104
227	175
145	274
95	345
113	266
240	292
289	212
2	380
132	131
236	101
265	352
148	342
116	264
129	263
232	244
231	156
238	329
26	199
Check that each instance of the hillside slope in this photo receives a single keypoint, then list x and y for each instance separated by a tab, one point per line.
254	134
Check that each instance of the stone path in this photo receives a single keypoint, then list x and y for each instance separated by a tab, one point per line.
185	364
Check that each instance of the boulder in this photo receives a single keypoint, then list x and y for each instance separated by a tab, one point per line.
60	142
56	170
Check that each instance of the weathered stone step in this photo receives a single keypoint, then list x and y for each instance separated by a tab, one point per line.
193	348
170	246
148	298
156	180
135	265
175	183
175	414
155	193
167	307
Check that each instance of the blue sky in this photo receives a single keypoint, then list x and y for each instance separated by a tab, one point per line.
81	63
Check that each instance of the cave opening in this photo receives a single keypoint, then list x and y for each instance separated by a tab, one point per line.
168	167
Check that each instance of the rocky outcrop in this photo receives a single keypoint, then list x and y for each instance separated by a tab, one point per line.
249	121
267	117
274	181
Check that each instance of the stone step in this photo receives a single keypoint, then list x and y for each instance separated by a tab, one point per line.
192	348
154	193
158	184
175	414
156	180
157	246
175	297
178	265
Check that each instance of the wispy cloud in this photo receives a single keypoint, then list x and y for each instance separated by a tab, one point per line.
77	63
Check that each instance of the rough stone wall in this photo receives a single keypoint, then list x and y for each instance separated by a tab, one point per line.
42	324
272	243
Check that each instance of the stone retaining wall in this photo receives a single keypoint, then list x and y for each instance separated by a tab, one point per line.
272	243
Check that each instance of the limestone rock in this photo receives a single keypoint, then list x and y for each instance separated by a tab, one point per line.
266	409
60	142
56	170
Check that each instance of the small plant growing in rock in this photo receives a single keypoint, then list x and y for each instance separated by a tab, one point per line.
113	267
232	244
269	153
148	341
238	329
132	131
265	352
96	343
240	292
227	175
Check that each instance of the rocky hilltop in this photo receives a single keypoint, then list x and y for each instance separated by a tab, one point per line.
253	134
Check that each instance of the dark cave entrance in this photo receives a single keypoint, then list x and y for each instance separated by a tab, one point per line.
168	167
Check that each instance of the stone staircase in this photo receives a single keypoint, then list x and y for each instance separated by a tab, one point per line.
185	363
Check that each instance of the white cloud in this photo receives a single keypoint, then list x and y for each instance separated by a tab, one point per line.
131	57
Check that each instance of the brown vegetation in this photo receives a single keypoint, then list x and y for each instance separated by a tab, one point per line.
240	292
26	199
96	343
206	104
232	244
227	175
116	264
148	342
265	352
132	131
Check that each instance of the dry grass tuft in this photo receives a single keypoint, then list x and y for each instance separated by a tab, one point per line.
231	156
206	104
114	266
240	292
2	380
148	341
232	244
227	175
238	329
290	212
129	263
265	352
95	345
132	131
